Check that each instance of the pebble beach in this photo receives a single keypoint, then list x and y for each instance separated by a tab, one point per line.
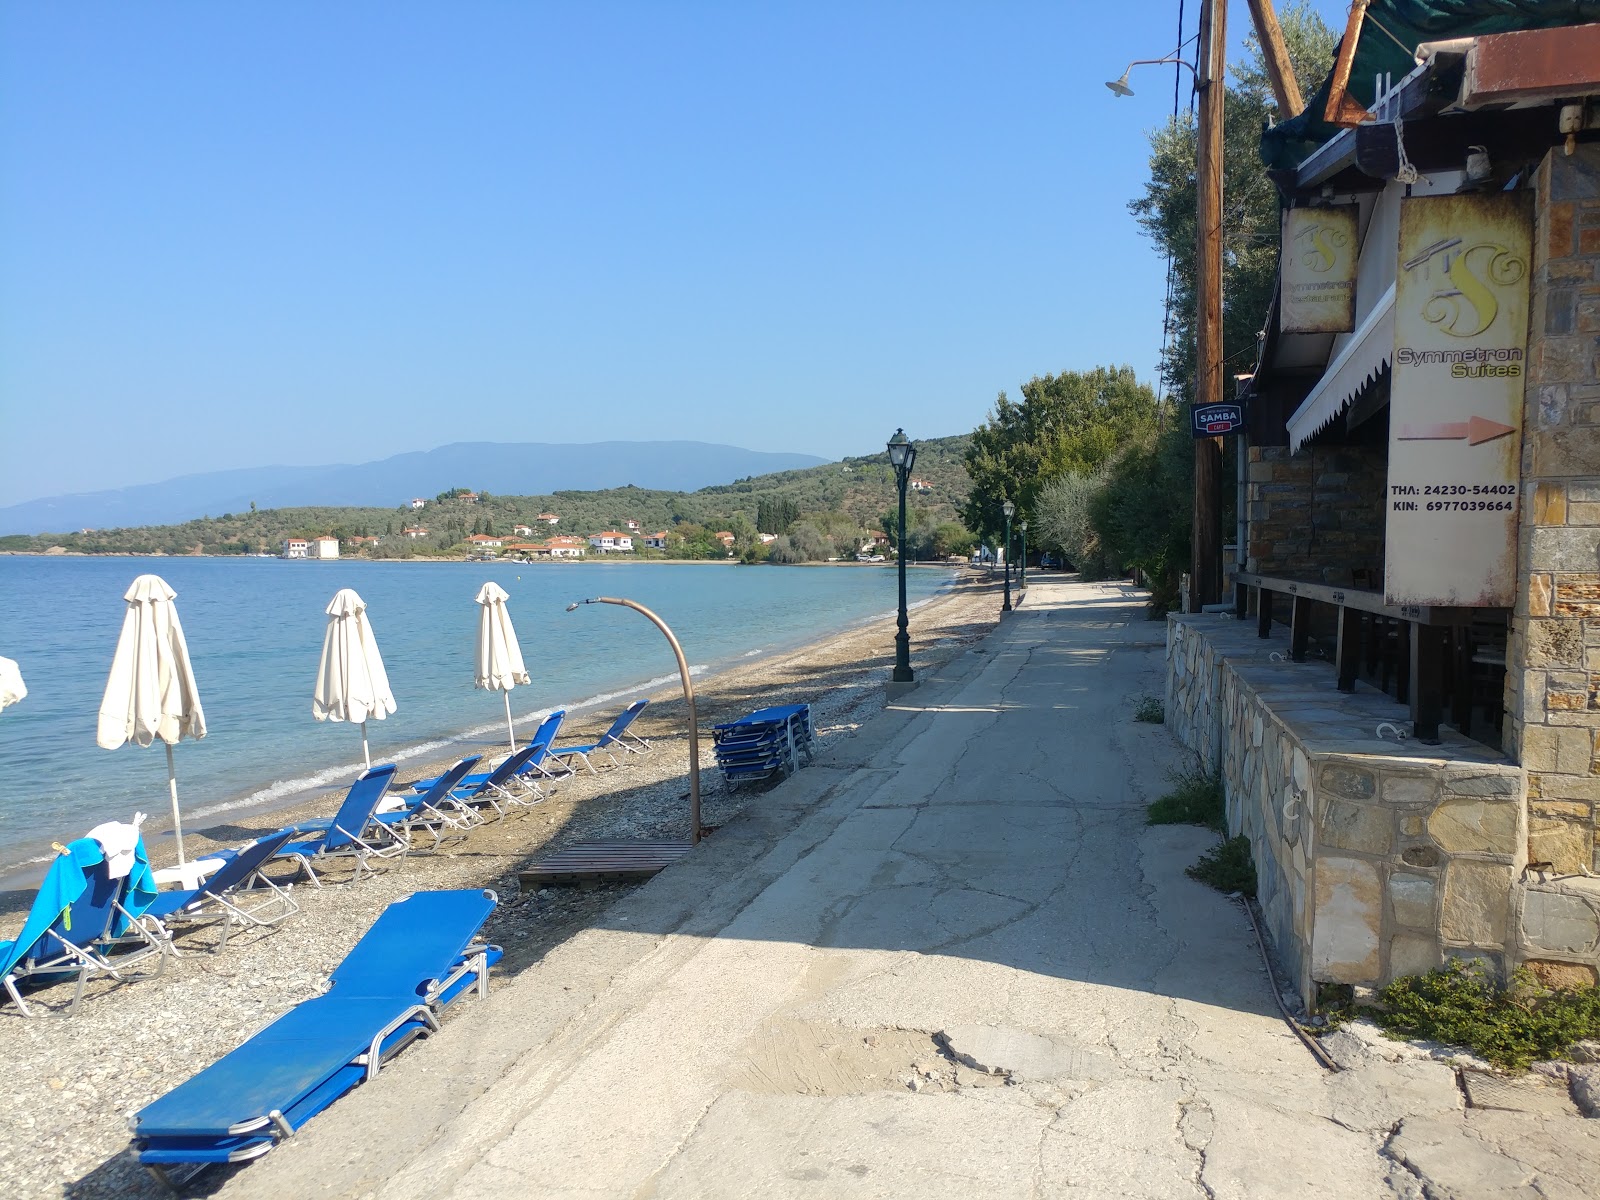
73	1083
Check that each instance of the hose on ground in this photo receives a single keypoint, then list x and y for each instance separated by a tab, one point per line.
1311	1044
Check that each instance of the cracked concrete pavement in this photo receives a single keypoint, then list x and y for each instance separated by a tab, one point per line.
949	959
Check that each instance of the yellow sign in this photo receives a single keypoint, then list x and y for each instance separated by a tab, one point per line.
1455	406
1317	270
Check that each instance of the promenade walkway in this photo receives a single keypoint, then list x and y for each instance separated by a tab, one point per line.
949	959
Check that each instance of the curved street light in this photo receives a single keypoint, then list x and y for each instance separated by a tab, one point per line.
1119	87
902	454
688	697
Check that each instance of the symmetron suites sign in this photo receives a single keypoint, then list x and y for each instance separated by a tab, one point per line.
1317	272
1455	409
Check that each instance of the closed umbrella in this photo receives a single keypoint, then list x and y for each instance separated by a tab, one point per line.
351	682
499	657
151	692
12	688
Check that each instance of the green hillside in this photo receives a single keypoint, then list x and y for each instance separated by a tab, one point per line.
844	501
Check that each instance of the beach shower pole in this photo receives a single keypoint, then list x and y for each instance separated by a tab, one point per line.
902	455
1009	509
688	698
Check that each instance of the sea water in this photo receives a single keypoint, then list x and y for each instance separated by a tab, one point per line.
255	629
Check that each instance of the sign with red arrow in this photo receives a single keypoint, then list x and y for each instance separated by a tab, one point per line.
1474	431
1455	400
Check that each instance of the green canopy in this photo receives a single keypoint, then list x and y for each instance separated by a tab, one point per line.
1387	42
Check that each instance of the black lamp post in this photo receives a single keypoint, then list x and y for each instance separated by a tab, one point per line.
1022	563
902	454
1009	509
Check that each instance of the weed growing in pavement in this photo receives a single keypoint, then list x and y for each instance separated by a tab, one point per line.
1195	799
1227	867
1460	1004
1151	710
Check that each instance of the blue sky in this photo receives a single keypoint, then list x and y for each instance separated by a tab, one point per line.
255	233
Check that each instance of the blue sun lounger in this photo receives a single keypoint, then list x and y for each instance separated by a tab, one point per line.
419	955
76	919
222	893
539	749
433	810
614	738
352	833
767	742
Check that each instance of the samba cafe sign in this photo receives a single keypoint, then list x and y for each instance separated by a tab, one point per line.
1214	420
1318	270
1455	407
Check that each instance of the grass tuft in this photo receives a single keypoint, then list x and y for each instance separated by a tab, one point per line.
1151	710
1461	1005
1227	867
1195	799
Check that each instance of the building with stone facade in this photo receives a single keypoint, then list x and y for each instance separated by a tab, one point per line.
1404	703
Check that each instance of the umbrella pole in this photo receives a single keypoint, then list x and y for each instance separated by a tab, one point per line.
366	756
172	786
511	730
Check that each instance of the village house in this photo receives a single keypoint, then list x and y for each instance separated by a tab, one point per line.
921	485
567	547
358	541
1403	706
522	530
656	541
528	549
633	526
767	538
417	502
468	497
612	542
549	519
324	547
415	531
484	541
295	548
725	537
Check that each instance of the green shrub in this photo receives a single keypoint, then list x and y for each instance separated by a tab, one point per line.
1150	709
1195	799
1227	867
1461	1005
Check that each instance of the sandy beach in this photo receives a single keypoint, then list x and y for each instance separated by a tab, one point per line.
63	1128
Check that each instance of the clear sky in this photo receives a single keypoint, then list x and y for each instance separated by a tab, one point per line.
292	232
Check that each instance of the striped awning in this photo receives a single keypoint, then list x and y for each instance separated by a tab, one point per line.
1355	367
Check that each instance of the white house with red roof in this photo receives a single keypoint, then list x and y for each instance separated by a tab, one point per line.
549	519
415	531
295	548
522	530
656	541
612	542
567	547
418	502
484	541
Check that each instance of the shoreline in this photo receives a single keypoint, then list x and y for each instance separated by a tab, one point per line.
432	755
74	1082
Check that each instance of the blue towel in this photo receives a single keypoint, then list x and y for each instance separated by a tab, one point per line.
140	893
62	886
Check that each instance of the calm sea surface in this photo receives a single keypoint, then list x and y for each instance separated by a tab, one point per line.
255	629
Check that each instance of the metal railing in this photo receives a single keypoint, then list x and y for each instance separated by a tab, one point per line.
1430	649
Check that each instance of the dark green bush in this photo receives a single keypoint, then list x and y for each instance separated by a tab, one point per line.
1195	799
1227	867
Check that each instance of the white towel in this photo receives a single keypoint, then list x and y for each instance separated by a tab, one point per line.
117	840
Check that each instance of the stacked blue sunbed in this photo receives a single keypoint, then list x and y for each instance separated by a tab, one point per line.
767	742
418	956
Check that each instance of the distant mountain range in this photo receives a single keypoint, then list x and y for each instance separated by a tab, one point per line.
525	468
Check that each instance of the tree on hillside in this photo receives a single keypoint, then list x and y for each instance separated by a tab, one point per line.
1075	421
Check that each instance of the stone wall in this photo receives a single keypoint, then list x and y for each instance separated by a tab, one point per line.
1374	858
1553	656
1316	514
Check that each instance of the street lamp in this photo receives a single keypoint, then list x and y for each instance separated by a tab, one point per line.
1022	563
1010	510
1119	87
902	454
688	697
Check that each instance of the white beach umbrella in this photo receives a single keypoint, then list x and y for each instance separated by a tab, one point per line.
351	682
151	692
12	688
499	657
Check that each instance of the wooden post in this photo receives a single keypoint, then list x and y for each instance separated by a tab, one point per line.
1299	628
1285	88
1427	682
1348	654
1205	546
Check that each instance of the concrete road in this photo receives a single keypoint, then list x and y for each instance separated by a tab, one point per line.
949	959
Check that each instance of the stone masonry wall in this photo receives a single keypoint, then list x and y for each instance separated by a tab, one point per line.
1374	858
1553	655
1316	514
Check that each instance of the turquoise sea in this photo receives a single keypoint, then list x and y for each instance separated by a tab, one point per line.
255	629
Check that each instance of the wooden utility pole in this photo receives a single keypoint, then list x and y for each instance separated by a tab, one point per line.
1285	88
1205	572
